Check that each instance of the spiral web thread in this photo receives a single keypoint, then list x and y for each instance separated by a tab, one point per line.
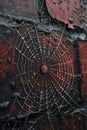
38	93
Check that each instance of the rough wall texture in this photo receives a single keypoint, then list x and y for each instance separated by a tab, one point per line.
43	65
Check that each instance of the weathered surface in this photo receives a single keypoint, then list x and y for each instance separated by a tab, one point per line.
77	122
42	66
71	12
83	61
20	9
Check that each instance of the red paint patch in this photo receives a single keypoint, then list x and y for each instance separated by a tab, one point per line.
83	60
72	12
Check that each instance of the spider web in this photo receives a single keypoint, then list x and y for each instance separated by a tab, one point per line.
37	93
